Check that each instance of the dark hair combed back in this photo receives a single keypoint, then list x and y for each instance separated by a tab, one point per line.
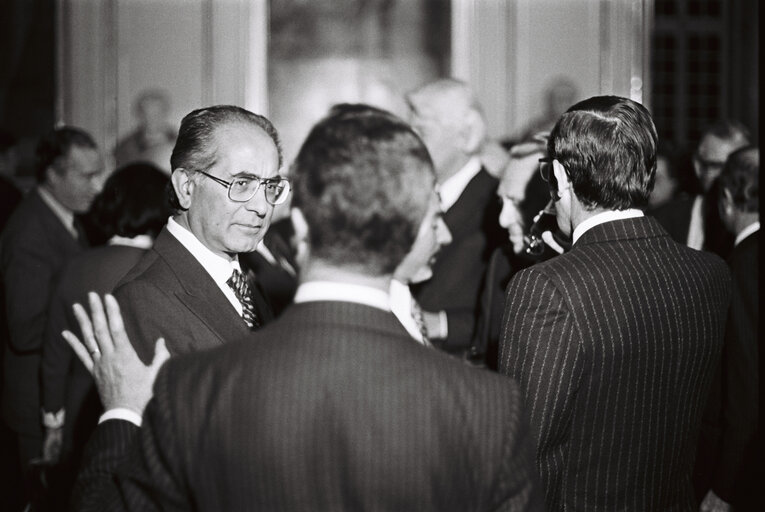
741	178
195	148
608	146
56	145
362	179
133	202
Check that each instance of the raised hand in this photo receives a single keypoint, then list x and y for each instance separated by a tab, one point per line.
123	381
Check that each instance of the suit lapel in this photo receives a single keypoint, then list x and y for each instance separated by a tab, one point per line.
198	292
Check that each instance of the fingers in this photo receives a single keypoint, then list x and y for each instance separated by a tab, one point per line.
161	354
116	326
79	348
100	324
88	337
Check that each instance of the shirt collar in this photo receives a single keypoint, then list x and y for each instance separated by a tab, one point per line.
139	241
751	228
219	268
451	189
603	217
64	214
313	291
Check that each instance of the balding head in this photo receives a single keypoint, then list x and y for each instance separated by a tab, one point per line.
449	119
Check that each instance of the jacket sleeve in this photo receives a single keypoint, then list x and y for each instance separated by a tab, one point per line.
540	347
130	468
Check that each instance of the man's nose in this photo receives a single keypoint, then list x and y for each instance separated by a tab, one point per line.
443	235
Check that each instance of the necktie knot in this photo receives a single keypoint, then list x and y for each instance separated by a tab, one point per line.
241	288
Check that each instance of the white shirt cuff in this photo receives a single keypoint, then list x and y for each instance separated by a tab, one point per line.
54	419
443	325
121	413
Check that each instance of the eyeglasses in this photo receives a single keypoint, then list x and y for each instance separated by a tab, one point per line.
545	168
242	189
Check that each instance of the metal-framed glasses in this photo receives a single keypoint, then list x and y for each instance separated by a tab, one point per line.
244	188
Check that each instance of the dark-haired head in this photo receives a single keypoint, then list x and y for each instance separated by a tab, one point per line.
133	202
56	145
740	179
70	167
362	180
607	145
196	145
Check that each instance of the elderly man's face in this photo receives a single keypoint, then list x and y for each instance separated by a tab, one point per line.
437	133
223	226
77	179
432	235
511	191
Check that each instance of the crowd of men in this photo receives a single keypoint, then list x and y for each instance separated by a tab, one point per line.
427	356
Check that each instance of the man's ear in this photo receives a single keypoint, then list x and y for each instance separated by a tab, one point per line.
561	177
300	226
184	186
726	202
473	132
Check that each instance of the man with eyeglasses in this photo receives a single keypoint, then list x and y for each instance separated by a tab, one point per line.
614	342
695	220
190	289
334	405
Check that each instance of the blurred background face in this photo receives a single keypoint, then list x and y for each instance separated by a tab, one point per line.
77	178
432	235
439	134
512	191
709	159
152	114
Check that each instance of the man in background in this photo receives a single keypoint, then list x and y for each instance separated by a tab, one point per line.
189	288
333	406
695	220
727	464
447	116
40	237
153	139
614	342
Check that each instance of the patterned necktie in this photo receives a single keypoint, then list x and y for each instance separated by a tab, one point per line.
420	321
238	283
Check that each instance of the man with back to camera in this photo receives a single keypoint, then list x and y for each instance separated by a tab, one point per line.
615	342
447	116
727	464
189	287
333	406
40	237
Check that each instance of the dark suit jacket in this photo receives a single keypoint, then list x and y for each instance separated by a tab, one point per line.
730	420
34	248
276	282
65	381
675	217
614	344
331	407
459	268
169	294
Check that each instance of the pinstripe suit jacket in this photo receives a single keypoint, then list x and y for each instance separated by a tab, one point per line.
331	407
614	345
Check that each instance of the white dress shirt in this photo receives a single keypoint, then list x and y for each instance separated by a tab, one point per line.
219	268
450	190
603	217
751	228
